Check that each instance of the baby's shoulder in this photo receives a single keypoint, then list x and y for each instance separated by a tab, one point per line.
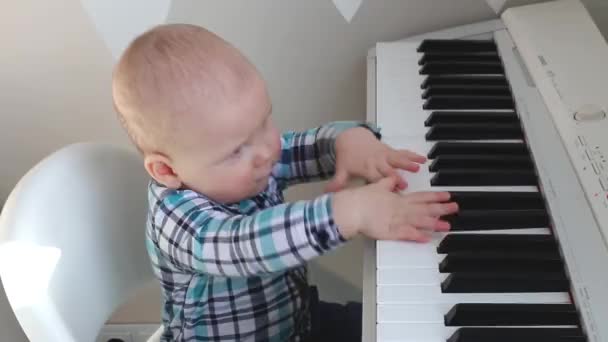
179	204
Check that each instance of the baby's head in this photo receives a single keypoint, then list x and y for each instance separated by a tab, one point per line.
198	111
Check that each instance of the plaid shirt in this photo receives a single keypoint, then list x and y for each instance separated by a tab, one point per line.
236	272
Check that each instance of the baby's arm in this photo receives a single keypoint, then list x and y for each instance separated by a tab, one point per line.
200	239
310	155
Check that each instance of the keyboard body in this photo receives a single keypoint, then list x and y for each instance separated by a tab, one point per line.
403	298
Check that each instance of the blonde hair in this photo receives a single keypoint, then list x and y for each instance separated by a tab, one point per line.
167	74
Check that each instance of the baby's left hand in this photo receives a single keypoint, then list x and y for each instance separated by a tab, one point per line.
360	154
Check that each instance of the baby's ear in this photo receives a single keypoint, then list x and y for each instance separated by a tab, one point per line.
160	168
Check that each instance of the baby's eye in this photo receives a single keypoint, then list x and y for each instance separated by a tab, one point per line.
237	152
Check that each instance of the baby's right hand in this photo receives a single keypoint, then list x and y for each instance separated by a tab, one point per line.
379	213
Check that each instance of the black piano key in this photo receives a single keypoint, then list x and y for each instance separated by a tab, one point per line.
472	161
518	334
473	56
449	117
505	282
456	45
512	315
478	80
479	177
478	200
468	102
474	131
462	68
515	243
466	90
466	220
444	147
501	261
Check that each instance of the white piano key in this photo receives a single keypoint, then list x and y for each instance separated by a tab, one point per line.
405	254
412	313
431	294
423	332
409	276
402	108
413	332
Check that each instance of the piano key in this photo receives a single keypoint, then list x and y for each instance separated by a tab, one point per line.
479	80
501	262
512	281
480	177
442	147
471	200
431	294
393	102
437	332
474	131
462	68
501	218
406	254
511	315
473	56
464	117
478	161
469	102
496	242
460	89
456	45
517	334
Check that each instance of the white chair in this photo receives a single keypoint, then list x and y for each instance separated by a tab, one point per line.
72	241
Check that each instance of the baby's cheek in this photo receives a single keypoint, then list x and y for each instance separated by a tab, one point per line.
277	147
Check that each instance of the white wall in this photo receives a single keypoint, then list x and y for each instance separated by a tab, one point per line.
54	84
55	81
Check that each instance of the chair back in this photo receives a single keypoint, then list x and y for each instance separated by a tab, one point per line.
72	241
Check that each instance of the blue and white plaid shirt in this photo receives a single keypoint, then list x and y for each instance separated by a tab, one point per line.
237	272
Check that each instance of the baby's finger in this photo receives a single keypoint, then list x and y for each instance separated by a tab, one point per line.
409	233
426	222
395	159
387	171
441	209
413	156
372	173
427	196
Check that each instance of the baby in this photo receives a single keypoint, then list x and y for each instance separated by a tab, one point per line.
229	253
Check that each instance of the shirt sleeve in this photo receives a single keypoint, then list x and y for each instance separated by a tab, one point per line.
197	238
311	155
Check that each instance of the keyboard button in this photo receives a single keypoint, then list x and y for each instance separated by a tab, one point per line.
468	102
478	80
442	147
465	90
517	334
448	117
497	242
495	262
462	67
477	200
456	45
493	219
480	177
505	282
472	56
472	161
511	315
474	132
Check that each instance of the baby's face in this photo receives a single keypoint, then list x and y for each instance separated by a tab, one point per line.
233	150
